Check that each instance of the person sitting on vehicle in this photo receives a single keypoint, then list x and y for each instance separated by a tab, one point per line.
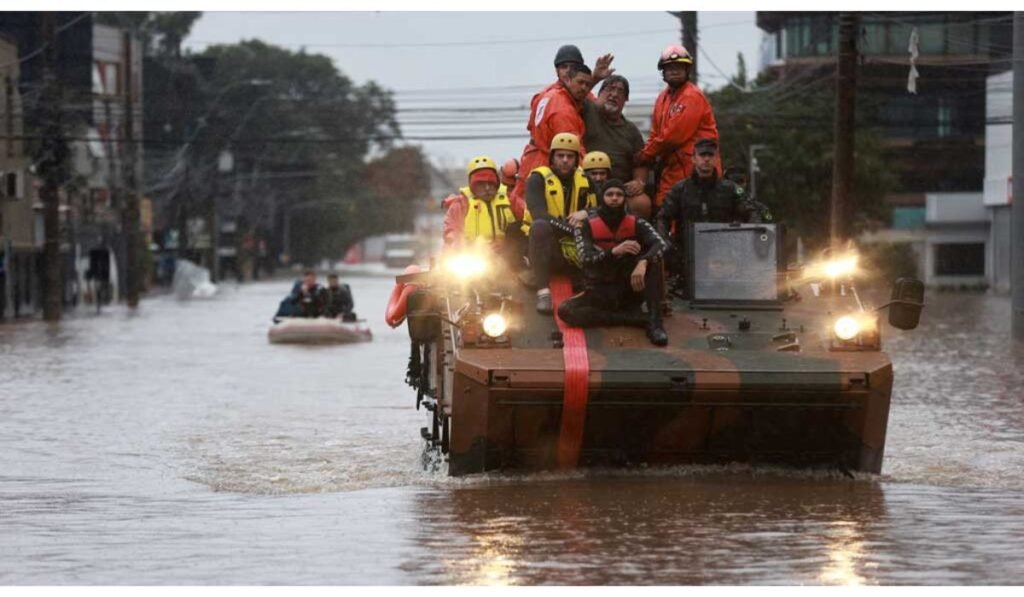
339	301
557	198
597	166
481	213
703	197
620	254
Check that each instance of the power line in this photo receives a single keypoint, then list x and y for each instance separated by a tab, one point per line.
483	42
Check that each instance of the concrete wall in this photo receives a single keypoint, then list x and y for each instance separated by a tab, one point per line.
956	218
998	171
999	243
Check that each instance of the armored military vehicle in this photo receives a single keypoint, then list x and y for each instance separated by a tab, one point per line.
765	364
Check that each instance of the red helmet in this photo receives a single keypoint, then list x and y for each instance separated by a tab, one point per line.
674	54
509	172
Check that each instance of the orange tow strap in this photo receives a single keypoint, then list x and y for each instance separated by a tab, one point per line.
577	369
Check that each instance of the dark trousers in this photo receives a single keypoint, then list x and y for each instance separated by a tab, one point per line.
514	247
614	302
546	254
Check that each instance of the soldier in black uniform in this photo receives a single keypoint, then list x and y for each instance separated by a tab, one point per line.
703	197
620	254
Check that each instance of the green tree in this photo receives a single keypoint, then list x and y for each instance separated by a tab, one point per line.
300	133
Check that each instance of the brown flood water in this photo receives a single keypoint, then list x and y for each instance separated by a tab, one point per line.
176	446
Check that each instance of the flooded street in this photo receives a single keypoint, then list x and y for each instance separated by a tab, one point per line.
177	446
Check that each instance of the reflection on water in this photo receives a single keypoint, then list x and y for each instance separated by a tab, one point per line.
845	551
176	445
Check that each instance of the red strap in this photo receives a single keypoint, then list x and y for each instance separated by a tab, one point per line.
577	369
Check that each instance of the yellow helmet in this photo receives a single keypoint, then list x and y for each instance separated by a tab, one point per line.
479	163
566	141
596	160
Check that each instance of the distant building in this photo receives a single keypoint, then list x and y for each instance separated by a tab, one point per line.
934	137
92	76
938	138
18	248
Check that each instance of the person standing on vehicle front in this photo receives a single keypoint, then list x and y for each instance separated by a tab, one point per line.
703	197
681	115
557	111
620	254
608	131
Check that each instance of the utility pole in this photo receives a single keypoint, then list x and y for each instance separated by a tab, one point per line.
130	209
51	165
1017	200
843	166
688	35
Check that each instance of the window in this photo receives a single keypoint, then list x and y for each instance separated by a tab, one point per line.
811	36
960	38
960	259
873	40
106	78
931	38
945	118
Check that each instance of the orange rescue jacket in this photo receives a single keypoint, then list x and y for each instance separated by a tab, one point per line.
679	119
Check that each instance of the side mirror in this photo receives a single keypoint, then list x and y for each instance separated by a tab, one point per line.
423	317
906	303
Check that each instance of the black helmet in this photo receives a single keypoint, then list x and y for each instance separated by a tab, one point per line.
569	53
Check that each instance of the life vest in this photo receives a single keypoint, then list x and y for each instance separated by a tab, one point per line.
557	208
487	219
605	238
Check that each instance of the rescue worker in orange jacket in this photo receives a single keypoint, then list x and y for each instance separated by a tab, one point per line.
565	57
558	111
681	115
480	213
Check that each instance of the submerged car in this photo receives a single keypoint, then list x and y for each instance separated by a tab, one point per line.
765	364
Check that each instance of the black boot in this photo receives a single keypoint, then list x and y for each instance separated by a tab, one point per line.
656	333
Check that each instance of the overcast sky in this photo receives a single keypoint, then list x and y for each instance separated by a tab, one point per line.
486	64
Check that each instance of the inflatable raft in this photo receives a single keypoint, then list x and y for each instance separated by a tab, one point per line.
301	330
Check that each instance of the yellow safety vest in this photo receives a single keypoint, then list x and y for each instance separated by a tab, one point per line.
557	208
487	219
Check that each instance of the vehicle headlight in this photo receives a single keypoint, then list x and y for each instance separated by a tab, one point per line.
466	265
844	267
847	328
495	325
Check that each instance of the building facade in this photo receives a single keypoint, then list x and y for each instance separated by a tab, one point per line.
93	81
19	284
933	119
